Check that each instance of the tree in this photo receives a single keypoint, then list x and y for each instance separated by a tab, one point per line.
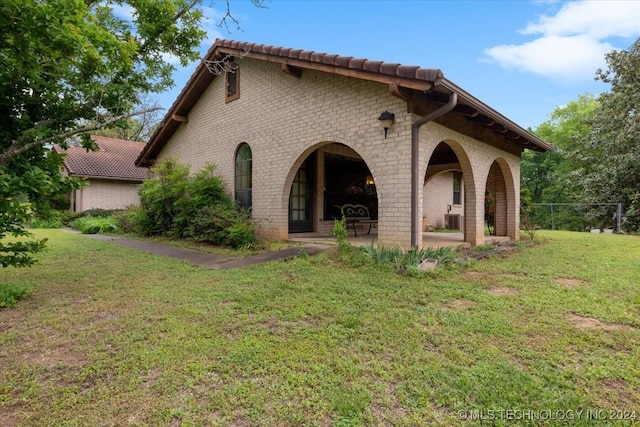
138	128
68	67
609	163
549	177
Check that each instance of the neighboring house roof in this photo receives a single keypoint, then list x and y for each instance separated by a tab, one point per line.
115	159
424	90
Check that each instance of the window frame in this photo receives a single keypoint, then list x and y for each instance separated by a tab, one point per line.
232	83
457	194
243	167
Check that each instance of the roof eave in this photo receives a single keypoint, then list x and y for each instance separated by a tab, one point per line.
494	115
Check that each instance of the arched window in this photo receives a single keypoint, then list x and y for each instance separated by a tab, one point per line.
243	176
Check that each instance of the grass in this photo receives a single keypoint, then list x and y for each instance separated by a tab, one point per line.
111	336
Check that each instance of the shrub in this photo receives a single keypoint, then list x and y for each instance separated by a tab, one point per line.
11	294
99	213
131	220
51	222
631	218
340	233
92	225
197	207
67	217
222	225
162	197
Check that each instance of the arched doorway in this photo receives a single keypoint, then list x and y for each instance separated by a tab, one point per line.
325	178
500	201
449	192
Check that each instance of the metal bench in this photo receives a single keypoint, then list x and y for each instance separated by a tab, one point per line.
358	214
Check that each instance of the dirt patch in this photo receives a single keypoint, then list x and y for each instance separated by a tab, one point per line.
570	282
8	417
460	305
504	290
593	323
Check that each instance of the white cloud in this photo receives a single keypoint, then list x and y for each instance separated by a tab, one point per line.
571	44
566	58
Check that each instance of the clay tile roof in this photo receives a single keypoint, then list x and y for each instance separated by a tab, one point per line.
348	62
409	77
114	160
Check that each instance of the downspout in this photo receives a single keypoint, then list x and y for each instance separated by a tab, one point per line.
415	163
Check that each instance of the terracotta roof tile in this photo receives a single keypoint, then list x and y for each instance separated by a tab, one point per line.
332	59
115	159
412	77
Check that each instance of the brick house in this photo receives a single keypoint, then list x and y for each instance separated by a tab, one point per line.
112	178
295	133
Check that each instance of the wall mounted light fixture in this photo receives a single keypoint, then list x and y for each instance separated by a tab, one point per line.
386	120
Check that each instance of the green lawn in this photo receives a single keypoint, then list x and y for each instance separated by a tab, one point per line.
111	336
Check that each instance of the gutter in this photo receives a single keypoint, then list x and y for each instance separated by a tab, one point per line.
415	163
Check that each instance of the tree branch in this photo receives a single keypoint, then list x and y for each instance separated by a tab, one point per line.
23	144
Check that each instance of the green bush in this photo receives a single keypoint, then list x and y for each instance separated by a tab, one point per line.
631	217
163	197
67	217
92	225
196	207
223	225
131	220
51	222
11	294
99	213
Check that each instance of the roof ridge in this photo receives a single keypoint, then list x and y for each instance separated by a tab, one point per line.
350	62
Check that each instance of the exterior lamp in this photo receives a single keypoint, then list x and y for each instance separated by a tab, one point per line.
386	120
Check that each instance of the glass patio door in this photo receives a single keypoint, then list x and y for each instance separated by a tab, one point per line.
301	200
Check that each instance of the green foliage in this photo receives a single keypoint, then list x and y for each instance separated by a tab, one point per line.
340	233
99	213
11	294
631	218
306	341
527	212
402	260
131	220
15	248
162	198
95	225
197	207
67	67
609	166
221	224
550	177
50	222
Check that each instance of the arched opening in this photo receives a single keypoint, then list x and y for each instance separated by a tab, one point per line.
500	202
326	178
447	191
243	176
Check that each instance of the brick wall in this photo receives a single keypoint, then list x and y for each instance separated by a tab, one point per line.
105	194
437	195
284	119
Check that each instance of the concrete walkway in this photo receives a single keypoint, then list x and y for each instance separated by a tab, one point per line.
213	261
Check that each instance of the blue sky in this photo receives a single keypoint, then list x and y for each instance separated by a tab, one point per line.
522	58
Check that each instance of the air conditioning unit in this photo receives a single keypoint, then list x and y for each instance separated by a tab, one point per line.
453	221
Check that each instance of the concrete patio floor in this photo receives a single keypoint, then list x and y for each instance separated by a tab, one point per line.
429	239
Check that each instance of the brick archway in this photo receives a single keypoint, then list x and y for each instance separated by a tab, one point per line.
322	216
451	155
501	186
